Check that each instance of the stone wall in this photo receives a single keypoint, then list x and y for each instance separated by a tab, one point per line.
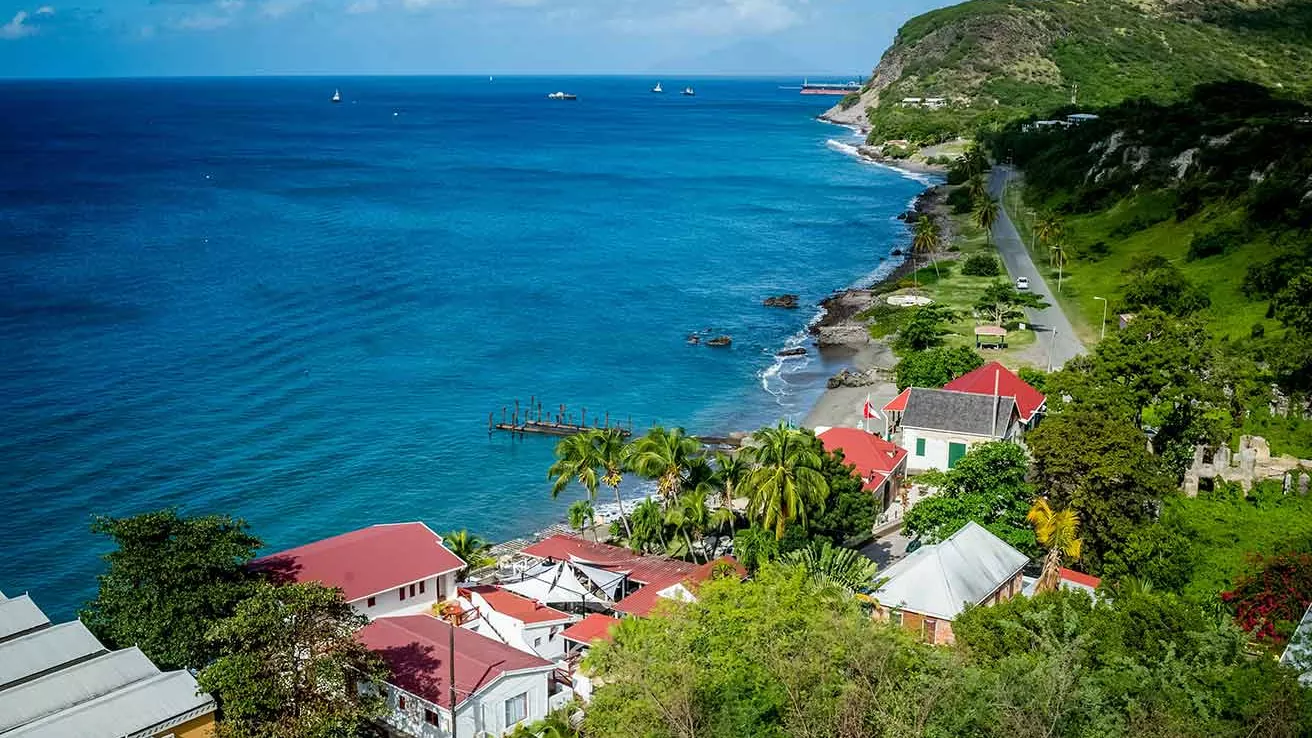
1253	463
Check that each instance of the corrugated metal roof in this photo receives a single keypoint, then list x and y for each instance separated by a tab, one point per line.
940	579
67	687
31	655
19	615
1298	654
960	412
140	709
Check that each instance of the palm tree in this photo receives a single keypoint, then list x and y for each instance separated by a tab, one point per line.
986	214
1058	253
666	456
754	546
648	526
583	515
830	565
977	188
594	455
927	239
730	471
1048	229
787	478
689	517
1058	531
470	548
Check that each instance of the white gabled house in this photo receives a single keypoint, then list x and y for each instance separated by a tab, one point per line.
515	620
497	687
390	569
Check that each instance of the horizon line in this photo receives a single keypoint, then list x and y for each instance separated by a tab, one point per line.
430	75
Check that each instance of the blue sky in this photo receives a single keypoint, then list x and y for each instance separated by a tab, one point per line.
79	38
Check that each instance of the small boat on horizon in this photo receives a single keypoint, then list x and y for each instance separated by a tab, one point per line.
562	96
688	91
658	88
337	96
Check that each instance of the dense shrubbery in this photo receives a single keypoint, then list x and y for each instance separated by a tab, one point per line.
936	367
1217	242
981	265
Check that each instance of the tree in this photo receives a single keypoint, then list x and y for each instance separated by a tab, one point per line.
730	471
291	665
1293	305
168	580
829	565
1164	287
849	511
470	548
1058	531
936	367
986	215
1270	599
787	478
927	239
977	187
987	486
1001	303
754	546
582	515
925	328
689	517
595	455
667	457
1098	466
1049	229
648	526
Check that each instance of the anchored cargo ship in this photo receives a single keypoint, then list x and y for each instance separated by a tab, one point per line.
830	88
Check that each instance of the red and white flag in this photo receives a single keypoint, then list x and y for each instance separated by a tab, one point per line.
868	410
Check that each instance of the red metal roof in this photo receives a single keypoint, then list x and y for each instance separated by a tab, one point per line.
642	602
983	380
642	569
898	404
367	561
875	459
515	605
595	627
1080	578
415	648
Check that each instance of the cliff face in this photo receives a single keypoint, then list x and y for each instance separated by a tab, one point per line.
1035	54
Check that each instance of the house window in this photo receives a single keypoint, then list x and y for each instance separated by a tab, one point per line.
955	452
402	593
537	642
421	588
931	629
516	709
920	447
371	602
430	717
400	702
412	590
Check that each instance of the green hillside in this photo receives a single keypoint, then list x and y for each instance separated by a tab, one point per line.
995	60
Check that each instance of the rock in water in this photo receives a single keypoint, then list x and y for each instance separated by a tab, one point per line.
797	351
782	301
720	341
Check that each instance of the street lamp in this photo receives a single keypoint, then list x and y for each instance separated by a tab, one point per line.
1103	333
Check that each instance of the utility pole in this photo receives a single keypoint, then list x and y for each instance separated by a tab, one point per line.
451	669
1103	333
1051	346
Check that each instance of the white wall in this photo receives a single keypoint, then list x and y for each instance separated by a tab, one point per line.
517	634
436	589
485	711
936	448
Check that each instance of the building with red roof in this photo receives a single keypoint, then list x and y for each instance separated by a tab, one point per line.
381	570
645	577
592	628
497	687
882	464
995	379
516	620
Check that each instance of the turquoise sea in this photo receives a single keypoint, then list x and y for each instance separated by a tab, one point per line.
233	296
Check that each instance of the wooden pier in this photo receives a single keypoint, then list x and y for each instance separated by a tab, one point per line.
536	419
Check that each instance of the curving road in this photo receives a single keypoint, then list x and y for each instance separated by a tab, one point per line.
1051	327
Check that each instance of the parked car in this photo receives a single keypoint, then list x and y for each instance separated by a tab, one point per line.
1022	283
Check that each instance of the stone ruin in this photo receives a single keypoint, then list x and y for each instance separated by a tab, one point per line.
1253	463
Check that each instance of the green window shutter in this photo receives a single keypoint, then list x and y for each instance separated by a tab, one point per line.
920	447
955	452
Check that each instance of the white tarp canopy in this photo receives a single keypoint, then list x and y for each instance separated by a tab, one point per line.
610	582
558	584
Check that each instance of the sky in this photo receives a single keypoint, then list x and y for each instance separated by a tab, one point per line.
147	38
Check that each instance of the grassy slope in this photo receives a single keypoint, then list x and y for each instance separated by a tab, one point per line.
1225	533
1232	314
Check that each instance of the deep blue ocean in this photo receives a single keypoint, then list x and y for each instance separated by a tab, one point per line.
234	296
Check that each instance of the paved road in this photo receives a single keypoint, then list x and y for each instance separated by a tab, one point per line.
1054	331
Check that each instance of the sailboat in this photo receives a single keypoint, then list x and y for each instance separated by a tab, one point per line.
657	88
689	91
337	96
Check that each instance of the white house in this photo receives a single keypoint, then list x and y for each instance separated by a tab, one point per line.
939	426
497	687
580	638
391	569
515	620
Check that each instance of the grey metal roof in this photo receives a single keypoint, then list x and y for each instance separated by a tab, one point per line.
143	708
70	686
958	412
940	579
1298	654
20	615
30	656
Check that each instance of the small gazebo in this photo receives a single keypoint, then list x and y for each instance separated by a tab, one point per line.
990	336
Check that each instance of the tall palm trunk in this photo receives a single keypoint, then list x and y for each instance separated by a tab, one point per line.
1051	576
624	517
